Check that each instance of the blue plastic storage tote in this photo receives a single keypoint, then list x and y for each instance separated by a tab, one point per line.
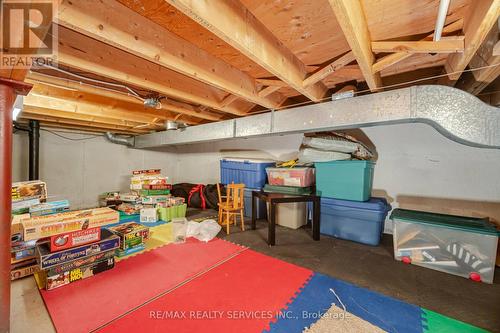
346	180
252	173
361	222
261	208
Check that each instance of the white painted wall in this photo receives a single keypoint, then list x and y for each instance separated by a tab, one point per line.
80	170
417	167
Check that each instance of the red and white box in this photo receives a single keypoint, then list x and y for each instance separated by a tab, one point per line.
75	238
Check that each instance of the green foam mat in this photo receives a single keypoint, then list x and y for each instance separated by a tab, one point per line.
436	323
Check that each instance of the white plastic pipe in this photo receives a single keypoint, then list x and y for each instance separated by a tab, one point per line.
441	18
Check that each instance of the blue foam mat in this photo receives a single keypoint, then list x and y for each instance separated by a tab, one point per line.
316	298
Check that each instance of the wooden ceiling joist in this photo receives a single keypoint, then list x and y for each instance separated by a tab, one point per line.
231	21
445	45
268	91
394	58
479	22
167	105
329	69
110	62
351	18
117	25
88	124
271	82
73	101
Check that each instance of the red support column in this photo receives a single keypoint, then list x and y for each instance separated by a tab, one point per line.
8	91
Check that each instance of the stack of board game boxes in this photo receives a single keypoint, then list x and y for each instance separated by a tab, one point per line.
149	195
132	237
71	245
24	195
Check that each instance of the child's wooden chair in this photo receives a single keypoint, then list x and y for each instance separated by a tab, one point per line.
232	206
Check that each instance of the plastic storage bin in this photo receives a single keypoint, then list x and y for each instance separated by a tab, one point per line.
299	177
292	190
346	180
291	215
361	222
168	213
252	173
463	246
260	208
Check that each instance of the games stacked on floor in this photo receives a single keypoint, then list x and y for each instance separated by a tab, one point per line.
132	236
25	195
71	245
149	196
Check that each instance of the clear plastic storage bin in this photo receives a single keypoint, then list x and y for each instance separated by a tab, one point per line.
299	177
463	246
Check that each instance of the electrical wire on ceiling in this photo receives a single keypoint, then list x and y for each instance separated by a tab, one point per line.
118	85
56	133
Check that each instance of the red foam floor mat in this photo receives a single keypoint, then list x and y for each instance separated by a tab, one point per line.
88	304
241	295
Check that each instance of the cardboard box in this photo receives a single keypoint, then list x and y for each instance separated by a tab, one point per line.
85	261
74	238
122	253
45	226
149	215
65	278
157	186
23	206
46	259
131	234
154	199
48	208
22	254
147	172
146	193
16	228
21	272
33	189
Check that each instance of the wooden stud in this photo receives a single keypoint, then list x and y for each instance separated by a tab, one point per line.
231	21
394	58
268	90
481	19
445	45
329	69
351	19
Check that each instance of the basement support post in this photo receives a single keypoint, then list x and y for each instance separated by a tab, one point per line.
34	149
8	91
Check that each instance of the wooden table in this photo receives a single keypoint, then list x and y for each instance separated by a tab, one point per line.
276	198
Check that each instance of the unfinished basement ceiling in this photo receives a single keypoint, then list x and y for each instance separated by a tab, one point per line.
216	60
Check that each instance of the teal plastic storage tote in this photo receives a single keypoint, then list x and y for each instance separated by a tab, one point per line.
346	180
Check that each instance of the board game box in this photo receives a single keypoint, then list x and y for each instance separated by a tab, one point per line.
48	208
33	189
85	261
74	238
76	274
45	226
27	270
122	253
131	234
46	259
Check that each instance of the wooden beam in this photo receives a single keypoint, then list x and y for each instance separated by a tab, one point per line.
167	105
394	58
80	116
445	45
271	82
477	24
329	69
110	22
228	100
88	55
268	90
485	65
28	115
231	21
351	19
74	101
81	128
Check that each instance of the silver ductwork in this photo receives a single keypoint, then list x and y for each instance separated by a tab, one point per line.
456	114
121	140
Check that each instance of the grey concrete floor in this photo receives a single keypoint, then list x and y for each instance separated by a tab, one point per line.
366	266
